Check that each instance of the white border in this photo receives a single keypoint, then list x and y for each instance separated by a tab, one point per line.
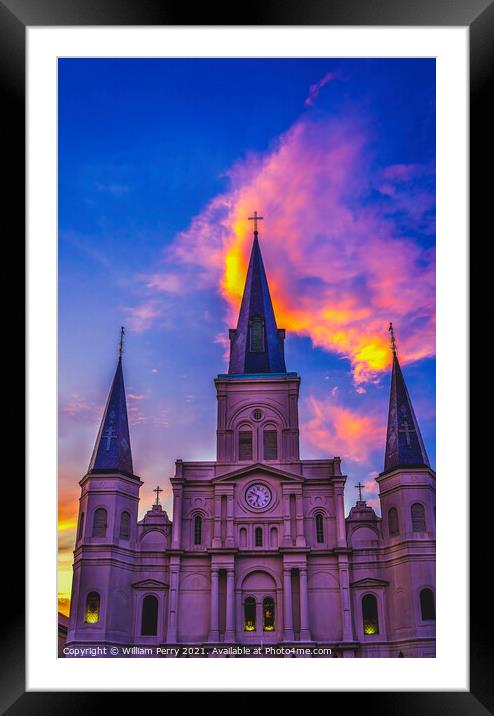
450	669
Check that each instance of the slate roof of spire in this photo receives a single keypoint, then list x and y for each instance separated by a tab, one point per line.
404	444
247	354
112	450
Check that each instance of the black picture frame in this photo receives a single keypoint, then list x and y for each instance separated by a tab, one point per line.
15	17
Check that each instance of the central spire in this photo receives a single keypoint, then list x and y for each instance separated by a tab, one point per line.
256	345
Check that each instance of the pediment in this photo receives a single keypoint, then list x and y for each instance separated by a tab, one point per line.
259	468
369	582
150	584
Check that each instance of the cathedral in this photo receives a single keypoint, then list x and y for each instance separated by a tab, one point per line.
259	551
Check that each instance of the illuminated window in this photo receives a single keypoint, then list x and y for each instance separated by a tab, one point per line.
99	522
268	614
149	621
92	608
245	445
257	335
258	536
125	525
418	517
250	614
427	606
270	445
319	528
369	614
393	526
81	527
198	529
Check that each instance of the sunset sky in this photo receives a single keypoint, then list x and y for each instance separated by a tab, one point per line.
160	164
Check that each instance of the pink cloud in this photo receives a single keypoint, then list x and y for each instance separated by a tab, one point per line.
141	317
316	88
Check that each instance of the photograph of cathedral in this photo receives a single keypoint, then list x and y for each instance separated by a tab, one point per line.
241	546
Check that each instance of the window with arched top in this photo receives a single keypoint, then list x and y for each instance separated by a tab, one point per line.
100	522
418	517
124	525
245	444
268	623
149	618
258	537
92	608
80	531
319	528
250	614
427	606
393	525
370	616
198	529
270	444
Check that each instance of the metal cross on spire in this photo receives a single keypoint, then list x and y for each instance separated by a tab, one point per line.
121	343
393	339
255	219
359	487
157	489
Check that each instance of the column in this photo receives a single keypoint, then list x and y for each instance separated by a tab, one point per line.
304	607
213	621
287	604
230	605
346	613
217	522
340	517
300	542
177	517
230	540
287	538
171	634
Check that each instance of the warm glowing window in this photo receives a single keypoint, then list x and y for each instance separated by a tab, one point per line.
268	614
250	614
197	529
80	531
369	614
393	525
99	522
418	517
427	606
270	445
92	608
245	445
258	536
319	528
149	622
257	335
125	525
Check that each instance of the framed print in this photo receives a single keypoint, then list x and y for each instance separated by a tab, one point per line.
246	310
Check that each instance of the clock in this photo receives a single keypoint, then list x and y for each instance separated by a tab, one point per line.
258	495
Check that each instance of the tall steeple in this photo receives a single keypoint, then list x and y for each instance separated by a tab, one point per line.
256	345
112	449
404	444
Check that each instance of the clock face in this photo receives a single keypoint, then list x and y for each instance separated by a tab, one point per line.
258	495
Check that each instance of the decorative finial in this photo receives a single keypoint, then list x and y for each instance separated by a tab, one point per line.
393	339
255	219
121	346
157	489
359	487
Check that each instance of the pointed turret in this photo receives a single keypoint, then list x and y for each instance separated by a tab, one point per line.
256	345
112	449
404	444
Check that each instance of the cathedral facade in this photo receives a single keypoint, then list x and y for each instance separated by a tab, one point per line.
260	550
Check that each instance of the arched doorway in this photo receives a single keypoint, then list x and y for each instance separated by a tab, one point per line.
260	617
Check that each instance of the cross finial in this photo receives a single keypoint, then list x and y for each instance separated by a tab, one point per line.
157	489
359	487
393	339
255	219
120	345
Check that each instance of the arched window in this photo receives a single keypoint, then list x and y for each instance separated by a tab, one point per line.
418	517
243	537
268	614
198	529
125	525
245	445
80	531
92	608
427	606
250	614
257	335
369	614
149	621
270	445
319	528
99	522
393	526
258	536
274	537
